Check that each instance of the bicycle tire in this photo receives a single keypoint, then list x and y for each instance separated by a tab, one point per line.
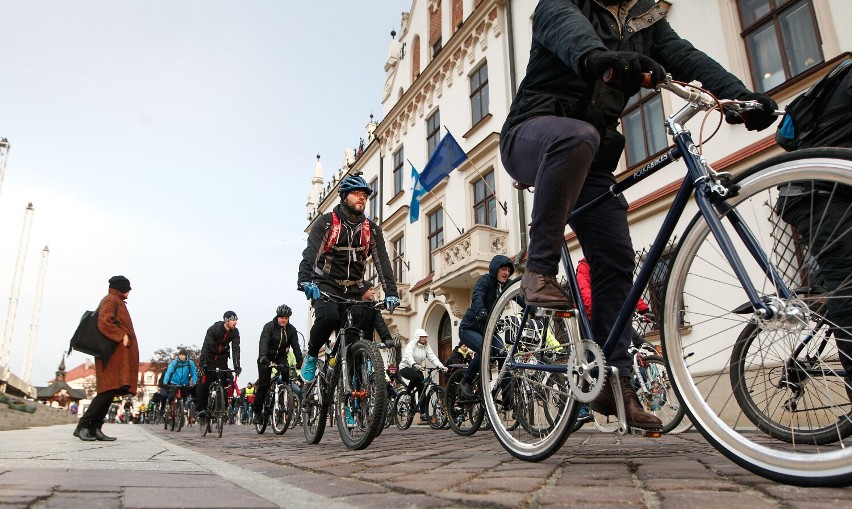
282	411
435	405
220	412
699	361
179	417
261	420
465	416
190	415
660	398
315	405
166	417
367	402
402	411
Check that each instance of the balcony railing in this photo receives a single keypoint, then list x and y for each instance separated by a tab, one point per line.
472	251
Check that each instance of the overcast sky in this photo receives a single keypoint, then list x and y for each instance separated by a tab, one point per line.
173	142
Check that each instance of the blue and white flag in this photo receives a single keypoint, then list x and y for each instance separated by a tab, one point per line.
447	156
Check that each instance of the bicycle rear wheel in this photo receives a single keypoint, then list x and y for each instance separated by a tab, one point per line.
656	394
220	411
464	414
544	408
360	411
261	419
315	406
282	410
435	404
750	383
179	415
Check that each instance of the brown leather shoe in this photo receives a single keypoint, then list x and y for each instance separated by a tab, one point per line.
637	417
543	291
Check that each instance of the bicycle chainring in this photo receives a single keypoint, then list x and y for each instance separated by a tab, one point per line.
586	372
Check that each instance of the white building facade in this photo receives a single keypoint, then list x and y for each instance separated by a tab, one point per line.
454	64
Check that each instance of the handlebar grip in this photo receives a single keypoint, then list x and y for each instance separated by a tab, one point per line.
609	77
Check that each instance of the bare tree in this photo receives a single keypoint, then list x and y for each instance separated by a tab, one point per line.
163	356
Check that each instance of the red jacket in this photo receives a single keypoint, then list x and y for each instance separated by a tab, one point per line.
584	281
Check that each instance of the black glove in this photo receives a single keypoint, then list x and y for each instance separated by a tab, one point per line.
263	361
389	343
623	70
238	370
482	315
755	120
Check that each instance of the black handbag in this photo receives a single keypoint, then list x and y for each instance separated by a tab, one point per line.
89	340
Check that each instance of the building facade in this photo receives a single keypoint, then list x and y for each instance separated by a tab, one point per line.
455	64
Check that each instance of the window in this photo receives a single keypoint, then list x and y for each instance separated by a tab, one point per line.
435	29
436	48
415	58
374	199
433	132
399	259
436	235
457	14
398	161
484	202
782	39
479	94
644	131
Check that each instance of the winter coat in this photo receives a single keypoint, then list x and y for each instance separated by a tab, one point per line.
415	353
345	265
556	82
276	340
122	370
485	293
218	344
371	322
584	281
181	373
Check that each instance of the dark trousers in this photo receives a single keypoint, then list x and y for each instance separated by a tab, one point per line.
98	408
824	224
415	382
264	377
559	156
203	388
473	340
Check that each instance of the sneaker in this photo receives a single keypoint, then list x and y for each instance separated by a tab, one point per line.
309	368
350	421
583	414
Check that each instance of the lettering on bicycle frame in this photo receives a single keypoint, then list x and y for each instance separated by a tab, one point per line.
648	168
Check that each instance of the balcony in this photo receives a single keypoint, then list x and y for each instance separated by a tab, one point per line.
459	263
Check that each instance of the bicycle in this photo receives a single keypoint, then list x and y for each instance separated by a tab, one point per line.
352	381
735	248
433	394
464	415
175	414
278	406
217	409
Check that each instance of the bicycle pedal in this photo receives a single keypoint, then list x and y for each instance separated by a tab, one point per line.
647	433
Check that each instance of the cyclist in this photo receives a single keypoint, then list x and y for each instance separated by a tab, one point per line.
277	338
417	351
560	136
247	395
371	320
461	355
222	339
180	375
334	261
485	292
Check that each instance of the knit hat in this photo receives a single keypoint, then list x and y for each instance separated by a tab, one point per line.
182	351
120	283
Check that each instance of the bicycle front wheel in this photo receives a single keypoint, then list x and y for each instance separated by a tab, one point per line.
464	414
402	410
282	410
360	411
180	417
541	400
315	407
435	404
220	412
770	392
656	394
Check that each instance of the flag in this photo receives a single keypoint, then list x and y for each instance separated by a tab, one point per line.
447	156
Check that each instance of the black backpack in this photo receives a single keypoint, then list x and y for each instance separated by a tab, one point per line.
805	126
89	340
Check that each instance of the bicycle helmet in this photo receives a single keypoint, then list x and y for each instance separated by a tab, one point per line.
353	183
229	315
283	310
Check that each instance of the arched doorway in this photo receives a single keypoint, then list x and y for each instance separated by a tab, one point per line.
445	341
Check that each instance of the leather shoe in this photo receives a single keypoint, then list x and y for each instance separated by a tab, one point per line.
99	435
77	431
637	417
542	290
464	388
85	435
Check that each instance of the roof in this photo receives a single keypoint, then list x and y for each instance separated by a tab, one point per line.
82	371
55	387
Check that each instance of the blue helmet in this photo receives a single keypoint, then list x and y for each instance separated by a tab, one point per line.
353	183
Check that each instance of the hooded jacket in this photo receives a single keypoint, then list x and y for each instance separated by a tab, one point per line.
275	340
181	373
415	353
218	344
485	294
565	31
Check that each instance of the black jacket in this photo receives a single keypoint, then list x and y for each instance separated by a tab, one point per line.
485	294
564	31
275	340
371	321
218	345
345	265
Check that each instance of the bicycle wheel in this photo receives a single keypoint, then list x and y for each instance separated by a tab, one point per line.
464	415
282	411
656	395
179	415
166	420
190	414
360	411
315	407
435	406
719	364
541	399
261	419
220	411
402	410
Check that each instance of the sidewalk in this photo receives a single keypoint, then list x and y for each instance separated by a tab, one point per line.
48	468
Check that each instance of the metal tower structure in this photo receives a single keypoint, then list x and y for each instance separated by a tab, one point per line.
9	325
4	154
26	371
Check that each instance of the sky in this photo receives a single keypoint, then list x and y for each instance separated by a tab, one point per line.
174	143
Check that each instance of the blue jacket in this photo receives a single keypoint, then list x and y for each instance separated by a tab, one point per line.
179	372
484	296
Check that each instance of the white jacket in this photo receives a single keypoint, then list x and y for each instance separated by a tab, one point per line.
415	353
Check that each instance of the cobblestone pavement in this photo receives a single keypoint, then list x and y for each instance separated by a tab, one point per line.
420	467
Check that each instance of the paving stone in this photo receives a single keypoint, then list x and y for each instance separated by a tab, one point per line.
690	484
716	500
520	484
596	494
167	498
84	501
399	501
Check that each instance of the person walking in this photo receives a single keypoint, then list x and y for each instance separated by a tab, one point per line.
120	375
